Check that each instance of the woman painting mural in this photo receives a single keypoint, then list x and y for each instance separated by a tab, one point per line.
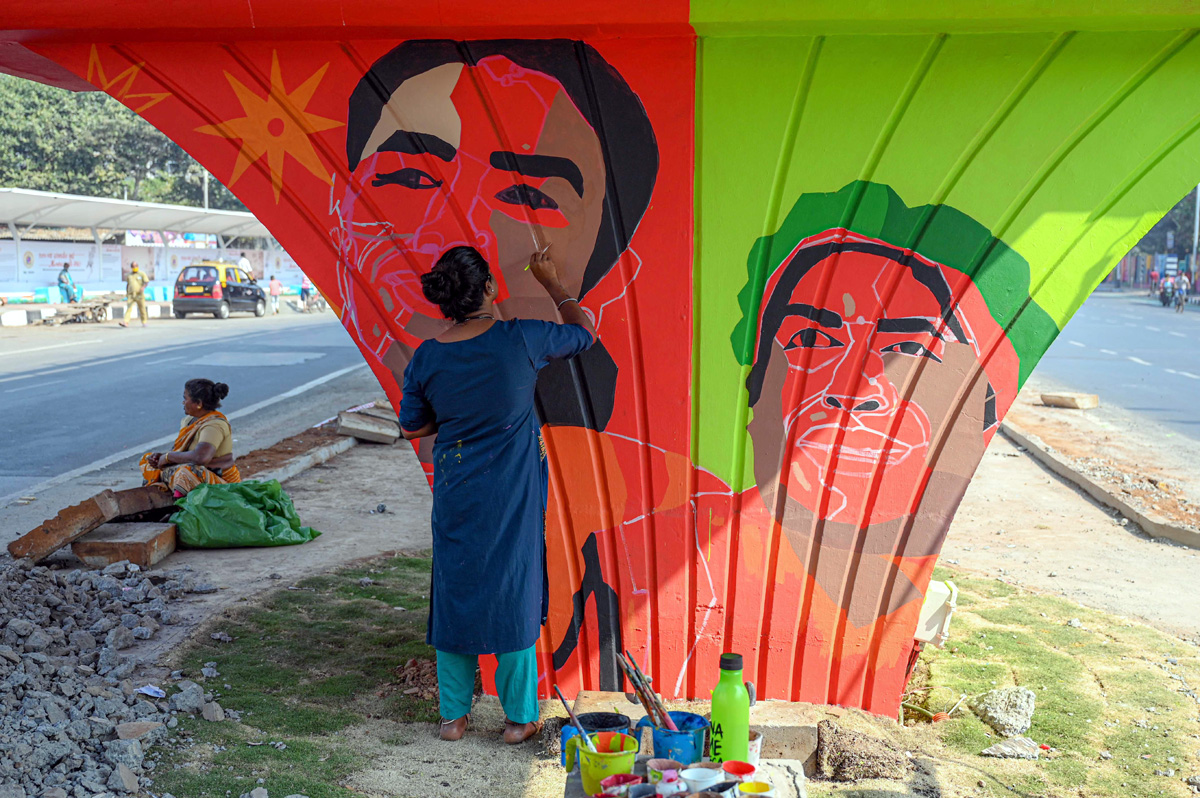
473	385
203	450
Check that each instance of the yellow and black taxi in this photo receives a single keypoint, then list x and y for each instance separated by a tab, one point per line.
219	288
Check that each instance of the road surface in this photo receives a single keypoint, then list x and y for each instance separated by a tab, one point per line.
1135	354
82	402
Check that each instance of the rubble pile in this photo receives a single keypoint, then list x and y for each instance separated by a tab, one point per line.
72	724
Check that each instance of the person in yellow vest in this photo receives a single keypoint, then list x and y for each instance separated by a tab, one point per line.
135	293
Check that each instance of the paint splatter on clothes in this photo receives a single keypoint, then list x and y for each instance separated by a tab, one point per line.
489	593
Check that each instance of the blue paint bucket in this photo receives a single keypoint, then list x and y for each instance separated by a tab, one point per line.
685	745
594	722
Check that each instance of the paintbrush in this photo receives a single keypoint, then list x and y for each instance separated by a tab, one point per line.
662	708
640	691
541	251
575	721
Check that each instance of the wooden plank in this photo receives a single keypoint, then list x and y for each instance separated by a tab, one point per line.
368	428
78	520
143	544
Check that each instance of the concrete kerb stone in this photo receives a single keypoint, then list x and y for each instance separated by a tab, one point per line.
27	314
1152	524
303	462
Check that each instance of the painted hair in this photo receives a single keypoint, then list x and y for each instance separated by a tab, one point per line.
623	129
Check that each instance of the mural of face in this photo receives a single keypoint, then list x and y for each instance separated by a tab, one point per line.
495	156
867	393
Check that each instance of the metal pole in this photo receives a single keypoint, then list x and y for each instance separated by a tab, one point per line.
206	189
1196	227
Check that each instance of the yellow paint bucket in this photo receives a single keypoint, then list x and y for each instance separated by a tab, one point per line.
615	753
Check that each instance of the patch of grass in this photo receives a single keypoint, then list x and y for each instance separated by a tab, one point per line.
304	665
1101	685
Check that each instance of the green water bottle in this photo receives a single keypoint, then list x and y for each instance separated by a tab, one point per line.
730	733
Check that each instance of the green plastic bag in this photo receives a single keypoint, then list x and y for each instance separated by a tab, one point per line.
240	514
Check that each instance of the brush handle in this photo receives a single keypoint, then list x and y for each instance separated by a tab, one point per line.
662	708
575	721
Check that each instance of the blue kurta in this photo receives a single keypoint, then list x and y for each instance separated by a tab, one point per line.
489	592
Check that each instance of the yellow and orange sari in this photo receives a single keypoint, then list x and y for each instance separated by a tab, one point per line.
183	477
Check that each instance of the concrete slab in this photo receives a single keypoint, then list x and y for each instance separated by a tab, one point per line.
144	544
1071	400
368	428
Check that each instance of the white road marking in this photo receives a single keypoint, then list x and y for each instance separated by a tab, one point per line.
1076	343
32	387
1171	371
1153	329
106	361
1139	361
1108	351
52	346
1189	375
164	360
1177	334
141	448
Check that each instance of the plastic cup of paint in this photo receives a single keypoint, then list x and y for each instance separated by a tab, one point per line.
700	778
760	788
656	767
755	750
618	784
644	791
725	789
739	771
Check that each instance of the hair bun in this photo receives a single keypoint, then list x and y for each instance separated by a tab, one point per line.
439	286
221	390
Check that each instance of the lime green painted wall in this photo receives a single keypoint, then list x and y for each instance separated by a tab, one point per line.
1065	145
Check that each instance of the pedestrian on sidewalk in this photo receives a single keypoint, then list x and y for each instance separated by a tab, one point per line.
66	285
276	288
473	386
244	265
135	294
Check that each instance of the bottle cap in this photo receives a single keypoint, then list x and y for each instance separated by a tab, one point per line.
731	662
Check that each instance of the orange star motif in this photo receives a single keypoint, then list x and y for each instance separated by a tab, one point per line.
119	86
275	125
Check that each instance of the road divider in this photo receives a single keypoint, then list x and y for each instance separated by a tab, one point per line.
1151	523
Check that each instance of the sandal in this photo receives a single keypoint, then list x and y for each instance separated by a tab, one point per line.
452	730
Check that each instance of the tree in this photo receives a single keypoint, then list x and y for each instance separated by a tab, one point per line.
1179	220
88	143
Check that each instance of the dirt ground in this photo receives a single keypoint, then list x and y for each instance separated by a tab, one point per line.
340	498
1144	463
1022	524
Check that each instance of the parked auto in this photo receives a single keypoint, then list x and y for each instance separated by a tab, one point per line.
218	288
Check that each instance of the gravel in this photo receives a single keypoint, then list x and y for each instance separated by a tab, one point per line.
71	720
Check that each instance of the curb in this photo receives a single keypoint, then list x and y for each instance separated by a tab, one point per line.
34	314
1153	525
302	463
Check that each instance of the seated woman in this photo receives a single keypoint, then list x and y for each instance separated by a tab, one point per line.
203	451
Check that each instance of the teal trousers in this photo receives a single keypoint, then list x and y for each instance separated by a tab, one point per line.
516	681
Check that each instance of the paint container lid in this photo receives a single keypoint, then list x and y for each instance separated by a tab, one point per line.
731	662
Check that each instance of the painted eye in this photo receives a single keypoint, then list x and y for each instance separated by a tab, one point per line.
521	194
910	348
407	177
812	339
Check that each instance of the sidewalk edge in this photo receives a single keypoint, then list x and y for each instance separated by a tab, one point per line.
1152	525
300	464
